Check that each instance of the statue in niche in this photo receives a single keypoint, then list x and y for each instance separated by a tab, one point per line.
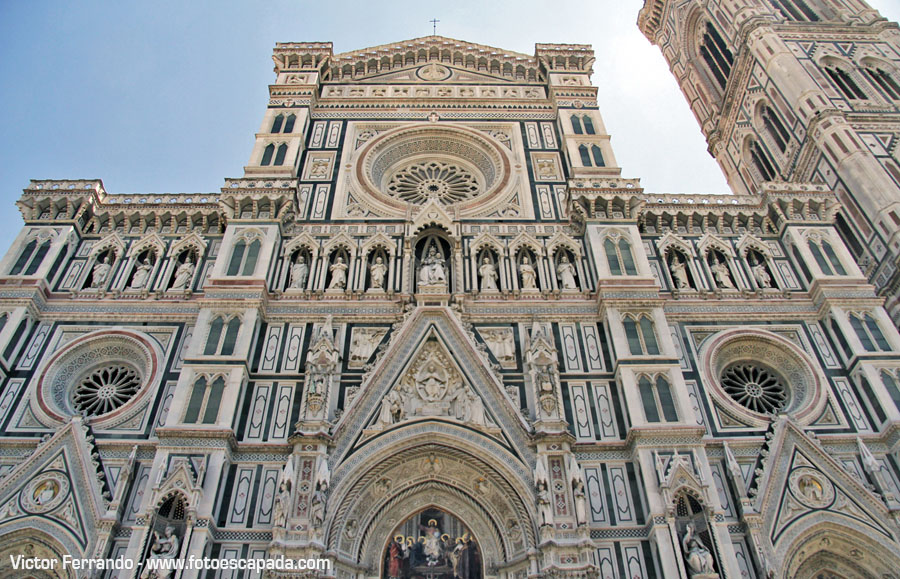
543	499
721	273
282	504
529	277
580	501
432	271
566	272
100	272
699	559
184	274
488	273
299	273
762	277
141	274
166	546
317	504
377	272
679	273
338	274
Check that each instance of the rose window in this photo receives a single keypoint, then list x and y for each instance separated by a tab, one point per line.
448	183
106	389
754	387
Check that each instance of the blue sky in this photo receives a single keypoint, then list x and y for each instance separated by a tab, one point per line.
165	96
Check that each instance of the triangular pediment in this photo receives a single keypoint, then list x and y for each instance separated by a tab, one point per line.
801	485
432	372
431	73
56	490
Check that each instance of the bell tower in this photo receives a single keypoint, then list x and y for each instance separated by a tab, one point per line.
798	91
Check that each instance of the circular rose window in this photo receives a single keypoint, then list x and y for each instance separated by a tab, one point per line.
450	164
106	374
752	374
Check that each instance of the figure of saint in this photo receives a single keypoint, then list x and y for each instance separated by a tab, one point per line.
391	409
529	279
100	272
699	559
474	409
762	277
317	505
467	559
544	503
432	542
165	547
720	271
432	270
299	273
46	492
679	273
282	504
376	273
338	274
184	274
139	280
580	501
566	272
488	275
395	558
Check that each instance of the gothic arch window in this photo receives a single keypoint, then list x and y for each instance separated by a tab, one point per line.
31	257
276	124
576	125
716	55
585	155
588	125
244	257
289	123
869	333
619	255
656	398
891	381
203	405
797	10
760	160
825	257
775	128
883	80
597	155
844	82
641	335
281	154
223	333
268	152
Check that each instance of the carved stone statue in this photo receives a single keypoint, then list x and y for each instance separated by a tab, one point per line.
164	547
721	273
141	274
580	501
699	559
543	499
529	278
299	273
317	505
100	272
184	274
282	504
376	274
432	271
474	409
488	273
679	273
391	409
338	274
566	273
762	277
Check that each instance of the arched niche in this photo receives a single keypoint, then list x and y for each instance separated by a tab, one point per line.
832	549
38	539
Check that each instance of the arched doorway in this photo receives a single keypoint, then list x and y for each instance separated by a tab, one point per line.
834	551
31	543
432	543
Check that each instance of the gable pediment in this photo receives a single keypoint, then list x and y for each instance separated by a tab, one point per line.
801	485
432	371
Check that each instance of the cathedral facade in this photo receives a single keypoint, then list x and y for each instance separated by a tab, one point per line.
433	332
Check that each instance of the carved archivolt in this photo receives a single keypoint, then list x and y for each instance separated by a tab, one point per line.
428	468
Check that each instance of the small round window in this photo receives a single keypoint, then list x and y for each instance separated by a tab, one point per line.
106	389
754	387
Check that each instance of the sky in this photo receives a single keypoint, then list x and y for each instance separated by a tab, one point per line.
165	96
